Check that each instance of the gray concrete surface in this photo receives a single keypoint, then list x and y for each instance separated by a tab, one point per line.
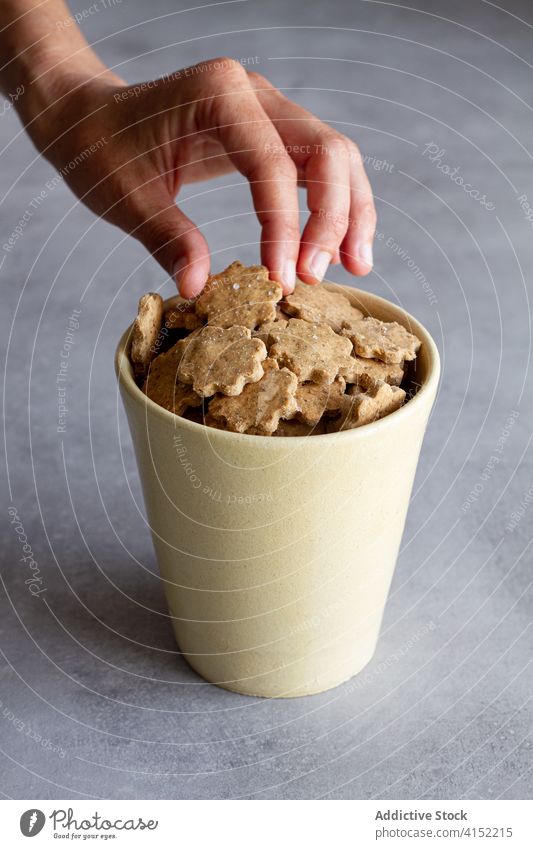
444	709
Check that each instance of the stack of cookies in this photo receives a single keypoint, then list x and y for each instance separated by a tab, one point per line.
243	358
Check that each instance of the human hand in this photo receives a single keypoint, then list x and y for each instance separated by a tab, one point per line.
148	140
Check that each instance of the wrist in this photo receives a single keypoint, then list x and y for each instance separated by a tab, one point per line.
52	80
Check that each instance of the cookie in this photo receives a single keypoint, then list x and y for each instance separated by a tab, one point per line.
320	306
239	296
194	414
308	364
217	359
366	373
210	421
264	331
316	399
366	407
163	387
181	315
260	405
295	427
385	340
146	329
312	351
166	339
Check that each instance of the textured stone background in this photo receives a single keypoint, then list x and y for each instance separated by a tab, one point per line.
91	665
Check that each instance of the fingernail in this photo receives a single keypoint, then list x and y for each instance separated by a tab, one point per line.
319	264
365	254
289	276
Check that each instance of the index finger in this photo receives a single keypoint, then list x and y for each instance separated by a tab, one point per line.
257	150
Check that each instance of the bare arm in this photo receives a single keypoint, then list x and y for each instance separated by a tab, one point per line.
44	51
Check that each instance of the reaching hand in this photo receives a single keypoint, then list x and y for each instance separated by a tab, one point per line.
126	150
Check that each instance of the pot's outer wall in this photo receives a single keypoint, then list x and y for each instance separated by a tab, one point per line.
277	553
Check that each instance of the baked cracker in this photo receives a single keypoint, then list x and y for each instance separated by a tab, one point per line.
146	329
163	387
366	407
366	373
240	295
316	399
298	428
385	340
320	306
217	359
181	315
312	351
260	406
264	331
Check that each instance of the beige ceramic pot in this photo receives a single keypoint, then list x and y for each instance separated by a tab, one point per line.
277	553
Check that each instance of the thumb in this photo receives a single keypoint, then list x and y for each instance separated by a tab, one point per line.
175	241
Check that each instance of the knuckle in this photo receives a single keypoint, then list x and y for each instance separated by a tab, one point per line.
333	223
258	80
336	223
356	157
332	145
276	161
281	222
365	212
291	231
368	211
289	169
226	68
337	146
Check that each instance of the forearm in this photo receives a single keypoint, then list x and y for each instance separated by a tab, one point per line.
45	54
